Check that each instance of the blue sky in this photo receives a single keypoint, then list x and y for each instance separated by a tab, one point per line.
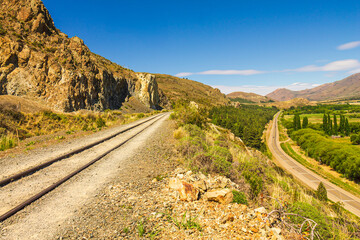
254	45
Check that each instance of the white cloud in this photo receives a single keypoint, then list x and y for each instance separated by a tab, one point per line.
341	65
263	90
221	72
231	72
184	74
349	45
357	70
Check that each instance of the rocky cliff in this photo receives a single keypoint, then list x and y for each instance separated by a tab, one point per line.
39	61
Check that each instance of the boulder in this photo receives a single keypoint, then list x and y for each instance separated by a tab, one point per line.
224	196
201	185
187	192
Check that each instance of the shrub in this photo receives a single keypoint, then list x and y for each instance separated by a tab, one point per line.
100	122
311	211
140	115
179	133
355	139
239	197
255	181
7	141
321	192
222	159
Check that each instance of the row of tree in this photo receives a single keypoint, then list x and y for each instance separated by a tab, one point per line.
342	157
297	122
247	121
331	127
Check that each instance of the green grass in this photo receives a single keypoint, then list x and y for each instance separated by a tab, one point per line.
290	151
318	118
7	141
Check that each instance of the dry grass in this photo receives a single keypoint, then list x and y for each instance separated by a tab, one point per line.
16	126
183	89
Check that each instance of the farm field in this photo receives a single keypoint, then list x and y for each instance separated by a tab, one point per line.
318	117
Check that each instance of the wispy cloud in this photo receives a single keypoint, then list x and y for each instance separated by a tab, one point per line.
222	72
349	45
354	71
263	90
231	72
184	74
341	65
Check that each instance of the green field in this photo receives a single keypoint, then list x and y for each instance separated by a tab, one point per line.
318	118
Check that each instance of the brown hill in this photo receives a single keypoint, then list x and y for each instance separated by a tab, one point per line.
343	89
296	102
40	62
251	97
178	88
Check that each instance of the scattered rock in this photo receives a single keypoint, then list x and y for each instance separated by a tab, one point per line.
187	192
261	210
201	185
224	196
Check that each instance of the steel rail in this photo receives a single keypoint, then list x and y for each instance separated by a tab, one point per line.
36	168
61	181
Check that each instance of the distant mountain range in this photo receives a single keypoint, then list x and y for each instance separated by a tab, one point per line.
244	97
343	89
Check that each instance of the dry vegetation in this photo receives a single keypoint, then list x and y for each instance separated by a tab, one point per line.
16	126
209	149
178	89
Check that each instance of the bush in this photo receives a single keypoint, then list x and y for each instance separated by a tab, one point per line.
7	141
255	181
311	211
222	159
140	115
355	139
239	197
321	192
187	115
100	122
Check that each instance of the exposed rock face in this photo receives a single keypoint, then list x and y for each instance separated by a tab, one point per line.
39	61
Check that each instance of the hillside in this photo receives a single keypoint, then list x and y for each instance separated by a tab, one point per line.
295	102
183	89
39	61
346	88
250	97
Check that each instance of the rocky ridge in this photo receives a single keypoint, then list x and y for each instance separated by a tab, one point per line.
40	62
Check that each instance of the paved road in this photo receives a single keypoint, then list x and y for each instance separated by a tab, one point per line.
311	179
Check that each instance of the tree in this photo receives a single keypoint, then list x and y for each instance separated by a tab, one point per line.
329	132
347	127
335	125
297	123
342	124
355	139
321	192
325	123
305	122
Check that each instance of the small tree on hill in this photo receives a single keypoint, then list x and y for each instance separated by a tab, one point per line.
321	192
297	122
347	127
305	122
325	123
335	125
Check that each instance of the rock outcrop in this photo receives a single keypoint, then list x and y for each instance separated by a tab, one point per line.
40	62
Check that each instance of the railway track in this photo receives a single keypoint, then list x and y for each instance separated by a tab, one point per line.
51	173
